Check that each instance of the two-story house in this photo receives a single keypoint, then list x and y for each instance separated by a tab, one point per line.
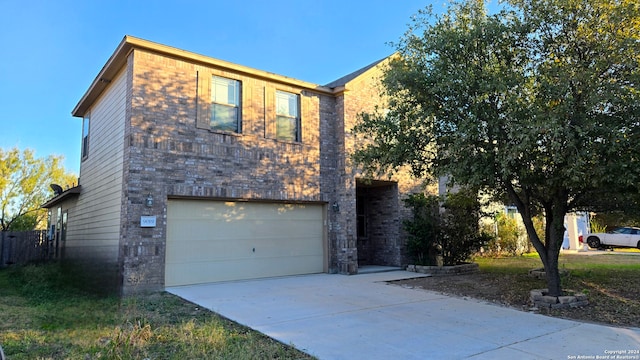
198	170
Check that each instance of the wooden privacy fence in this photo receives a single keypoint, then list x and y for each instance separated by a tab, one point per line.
21	247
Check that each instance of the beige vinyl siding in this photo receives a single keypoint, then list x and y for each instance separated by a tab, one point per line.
94	226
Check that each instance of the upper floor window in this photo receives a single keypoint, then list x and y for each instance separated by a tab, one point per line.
225	104
85	136
287	116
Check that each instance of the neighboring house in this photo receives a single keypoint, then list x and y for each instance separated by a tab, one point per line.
576	226
198	170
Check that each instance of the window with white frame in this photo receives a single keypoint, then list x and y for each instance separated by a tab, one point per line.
85	136
225	104
287	116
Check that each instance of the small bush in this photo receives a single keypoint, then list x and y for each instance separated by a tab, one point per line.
597	226
461	236
444	228
508	239
423	243
508	234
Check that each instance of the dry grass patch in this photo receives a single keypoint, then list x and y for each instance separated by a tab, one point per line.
610	280
42	316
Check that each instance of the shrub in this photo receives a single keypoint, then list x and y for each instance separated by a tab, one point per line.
423	229
444	228
597	226
461	235
508	237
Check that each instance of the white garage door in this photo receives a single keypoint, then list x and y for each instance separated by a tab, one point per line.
210	241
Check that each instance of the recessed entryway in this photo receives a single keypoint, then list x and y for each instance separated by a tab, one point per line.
378	223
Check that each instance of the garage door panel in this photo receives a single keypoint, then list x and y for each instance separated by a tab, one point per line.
211	241
300	264
203	249
235	269
274	249
197	272
301	228
262	251
247	226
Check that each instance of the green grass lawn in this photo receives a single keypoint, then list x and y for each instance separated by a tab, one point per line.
44	316
611	281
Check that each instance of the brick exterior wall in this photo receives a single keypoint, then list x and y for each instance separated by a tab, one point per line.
382	244
166	155
384	203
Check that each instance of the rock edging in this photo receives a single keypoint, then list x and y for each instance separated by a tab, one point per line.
541	300
445	270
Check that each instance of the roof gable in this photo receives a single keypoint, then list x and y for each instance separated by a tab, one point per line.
349	77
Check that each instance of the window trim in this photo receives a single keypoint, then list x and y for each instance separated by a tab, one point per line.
86	128
237	106
297	119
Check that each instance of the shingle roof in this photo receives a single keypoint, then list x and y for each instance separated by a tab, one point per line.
345	79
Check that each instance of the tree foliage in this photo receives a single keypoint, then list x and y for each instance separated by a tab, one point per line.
444	227
538	103
461	235
424	229
24	187
508	234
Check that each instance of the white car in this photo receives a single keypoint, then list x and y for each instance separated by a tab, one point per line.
620	237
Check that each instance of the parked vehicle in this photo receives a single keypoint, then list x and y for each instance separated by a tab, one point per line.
627	236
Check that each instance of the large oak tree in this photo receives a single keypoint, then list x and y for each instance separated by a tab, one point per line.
538	103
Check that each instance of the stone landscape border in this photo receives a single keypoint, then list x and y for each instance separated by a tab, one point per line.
538	296
571	300
540	299
469	268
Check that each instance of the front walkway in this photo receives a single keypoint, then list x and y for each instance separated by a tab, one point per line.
362	317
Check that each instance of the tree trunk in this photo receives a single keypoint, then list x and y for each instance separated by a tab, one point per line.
553	274
549	250
554	235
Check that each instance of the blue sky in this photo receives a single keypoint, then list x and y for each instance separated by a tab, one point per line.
50	51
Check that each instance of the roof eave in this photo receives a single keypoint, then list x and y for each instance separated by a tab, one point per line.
119	58
100	83
74	191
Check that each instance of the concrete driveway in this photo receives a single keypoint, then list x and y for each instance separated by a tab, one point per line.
362	317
